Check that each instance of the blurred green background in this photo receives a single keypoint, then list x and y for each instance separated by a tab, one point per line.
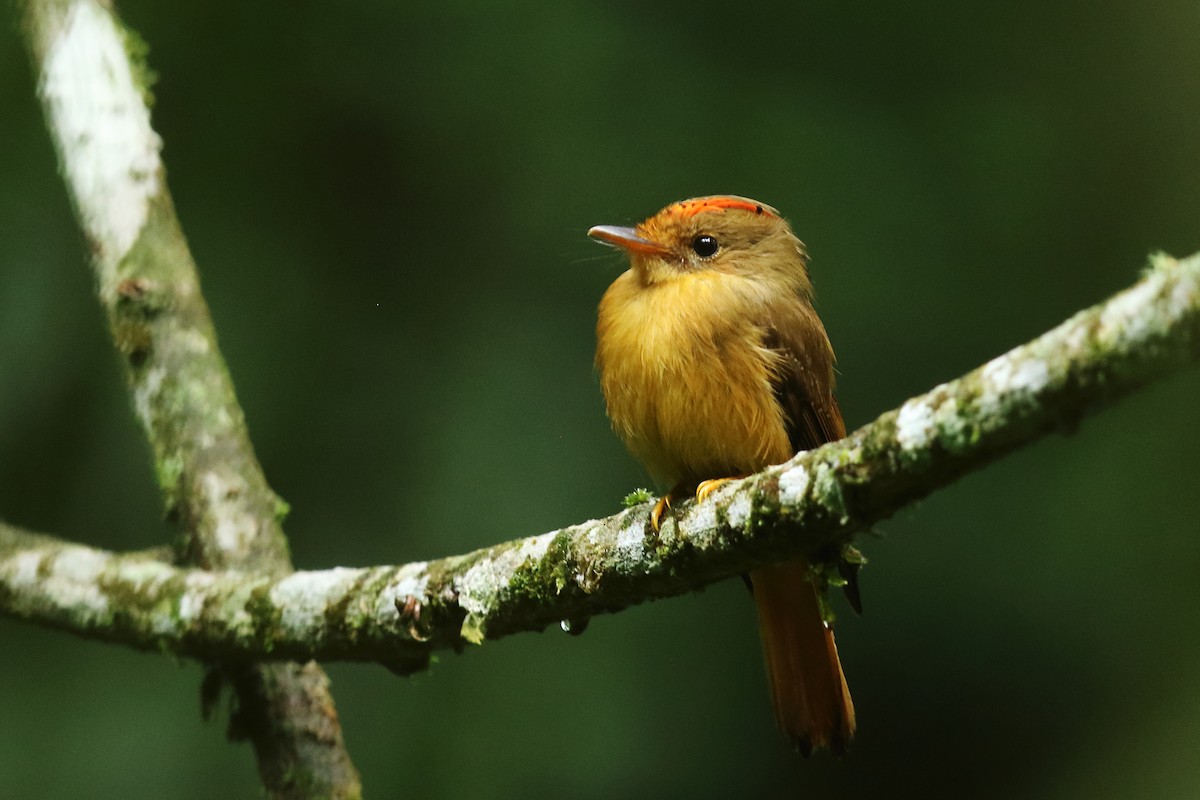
388	202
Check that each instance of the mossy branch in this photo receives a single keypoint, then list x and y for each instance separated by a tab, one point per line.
813	504
94	89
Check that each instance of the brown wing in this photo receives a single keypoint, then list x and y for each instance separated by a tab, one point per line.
805	383
804	388
812	702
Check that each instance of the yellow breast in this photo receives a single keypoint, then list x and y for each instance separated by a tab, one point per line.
686	378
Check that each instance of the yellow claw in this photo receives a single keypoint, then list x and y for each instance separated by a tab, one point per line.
656	513
705	488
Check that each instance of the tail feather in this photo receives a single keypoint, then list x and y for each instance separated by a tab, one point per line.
812	702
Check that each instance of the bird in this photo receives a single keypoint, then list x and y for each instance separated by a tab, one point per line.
714	365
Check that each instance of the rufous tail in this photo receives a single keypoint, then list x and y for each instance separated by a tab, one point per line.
812	702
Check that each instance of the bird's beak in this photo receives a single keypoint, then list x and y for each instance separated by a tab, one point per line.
626	239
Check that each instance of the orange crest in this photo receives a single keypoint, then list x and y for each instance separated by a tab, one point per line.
696	205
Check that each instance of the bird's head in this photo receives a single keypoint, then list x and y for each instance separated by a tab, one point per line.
723	233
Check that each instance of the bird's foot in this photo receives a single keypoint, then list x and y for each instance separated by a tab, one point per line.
705	488
663	505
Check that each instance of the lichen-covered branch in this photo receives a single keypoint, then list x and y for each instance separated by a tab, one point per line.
94	95
813	504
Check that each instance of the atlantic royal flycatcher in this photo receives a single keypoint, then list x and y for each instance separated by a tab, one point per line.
715	365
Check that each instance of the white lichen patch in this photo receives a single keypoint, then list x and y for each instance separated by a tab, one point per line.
101	127
996	373
702	520
631	547
21	570
196	591
479	585
1013	378
793	485
915	424
1031	376
410	580
233	529
65	579
737	513
303	598
73	581
146	392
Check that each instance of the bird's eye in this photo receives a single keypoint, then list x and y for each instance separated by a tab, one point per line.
705	246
